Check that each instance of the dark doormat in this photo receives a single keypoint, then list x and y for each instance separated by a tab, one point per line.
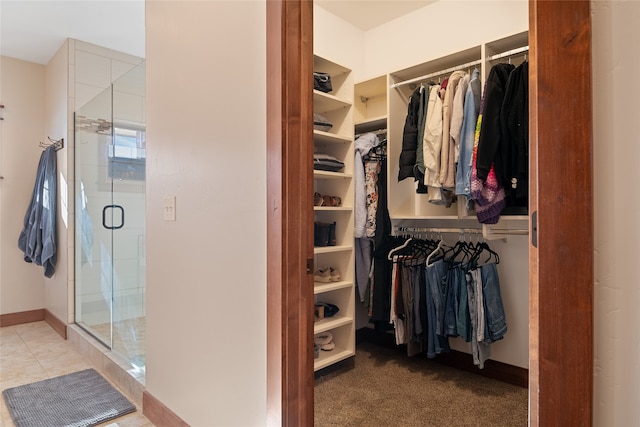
78	399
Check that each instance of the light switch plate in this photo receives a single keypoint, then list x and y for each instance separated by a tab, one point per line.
169	208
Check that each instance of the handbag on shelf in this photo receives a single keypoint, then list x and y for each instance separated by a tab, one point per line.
322	82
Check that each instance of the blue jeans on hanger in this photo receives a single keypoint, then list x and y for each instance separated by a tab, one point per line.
494	310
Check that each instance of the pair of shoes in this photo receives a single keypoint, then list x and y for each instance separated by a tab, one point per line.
320	200
324	234
326	275
324	309
324	340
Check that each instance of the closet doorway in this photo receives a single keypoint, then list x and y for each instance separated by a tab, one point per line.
561	224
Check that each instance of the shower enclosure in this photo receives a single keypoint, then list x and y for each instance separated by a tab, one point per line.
110	218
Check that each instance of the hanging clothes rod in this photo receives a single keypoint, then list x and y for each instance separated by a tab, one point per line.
375	132
502	231
506	54
437	73
511	52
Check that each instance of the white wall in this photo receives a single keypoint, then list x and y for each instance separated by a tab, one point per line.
617	228
57	288
22	93
437	30
206	271
339	41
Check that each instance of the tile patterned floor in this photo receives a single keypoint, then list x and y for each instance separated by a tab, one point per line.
34	352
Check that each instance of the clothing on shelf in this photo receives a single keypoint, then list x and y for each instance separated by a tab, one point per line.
326	162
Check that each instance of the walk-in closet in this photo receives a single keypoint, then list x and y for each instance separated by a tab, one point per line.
410	194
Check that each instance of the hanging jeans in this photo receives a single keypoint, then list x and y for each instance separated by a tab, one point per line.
481	350
435	275
496	325
463	318
453	300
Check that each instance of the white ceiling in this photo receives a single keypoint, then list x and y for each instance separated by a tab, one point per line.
368	14
34	30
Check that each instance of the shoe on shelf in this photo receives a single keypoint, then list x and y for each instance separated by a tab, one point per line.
328	347
318	199
322	275
323	338
334	275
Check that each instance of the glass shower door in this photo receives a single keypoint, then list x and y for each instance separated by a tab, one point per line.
93	242
110	218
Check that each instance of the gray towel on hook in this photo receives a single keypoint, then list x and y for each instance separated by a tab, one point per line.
38	237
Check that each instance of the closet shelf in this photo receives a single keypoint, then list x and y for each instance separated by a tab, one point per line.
327	137
320	288
327	174
330	249
373	123
324	102
330	357
331	323
424	217
333	209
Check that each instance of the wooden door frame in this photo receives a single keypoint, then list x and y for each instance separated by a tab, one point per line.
560	267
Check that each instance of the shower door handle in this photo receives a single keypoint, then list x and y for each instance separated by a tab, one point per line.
104	217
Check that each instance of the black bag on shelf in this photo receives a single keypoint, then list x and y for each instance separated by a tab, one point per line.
322	82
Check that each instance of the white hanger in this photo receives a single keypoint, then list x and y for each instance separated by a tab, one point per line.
402	246
437	249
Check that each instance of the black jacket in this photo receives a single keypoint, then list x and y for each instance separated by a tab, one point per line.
410	138
514	121
489	142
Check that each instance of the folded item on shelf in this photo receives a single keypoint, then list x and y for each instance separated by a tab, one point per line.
320	122
327	162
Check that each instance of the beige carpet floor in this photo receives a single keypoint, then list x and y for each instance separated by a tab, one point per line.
386	388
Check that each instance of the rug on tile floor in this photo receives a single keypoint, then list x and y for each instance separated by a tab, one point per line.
79	399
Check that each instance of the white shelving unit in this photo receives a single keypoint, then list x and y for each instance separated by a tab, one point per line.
337	107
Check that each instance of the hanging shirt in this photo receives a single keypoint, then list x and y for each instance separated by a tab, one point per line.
447	166
432	141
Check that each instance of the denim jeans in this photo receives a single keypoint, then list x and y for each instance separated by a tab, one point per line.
496	324
434	275
481	350
453	300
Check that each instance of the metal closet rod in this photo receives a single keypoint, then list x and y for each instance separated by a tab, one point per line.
506	54
507	231
437	73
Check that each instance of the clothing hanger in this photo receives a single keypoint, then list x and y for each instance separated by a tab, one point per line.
438	249
398	249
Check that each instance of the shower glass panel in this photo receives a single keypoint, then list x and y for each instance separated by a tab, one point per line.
110	217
